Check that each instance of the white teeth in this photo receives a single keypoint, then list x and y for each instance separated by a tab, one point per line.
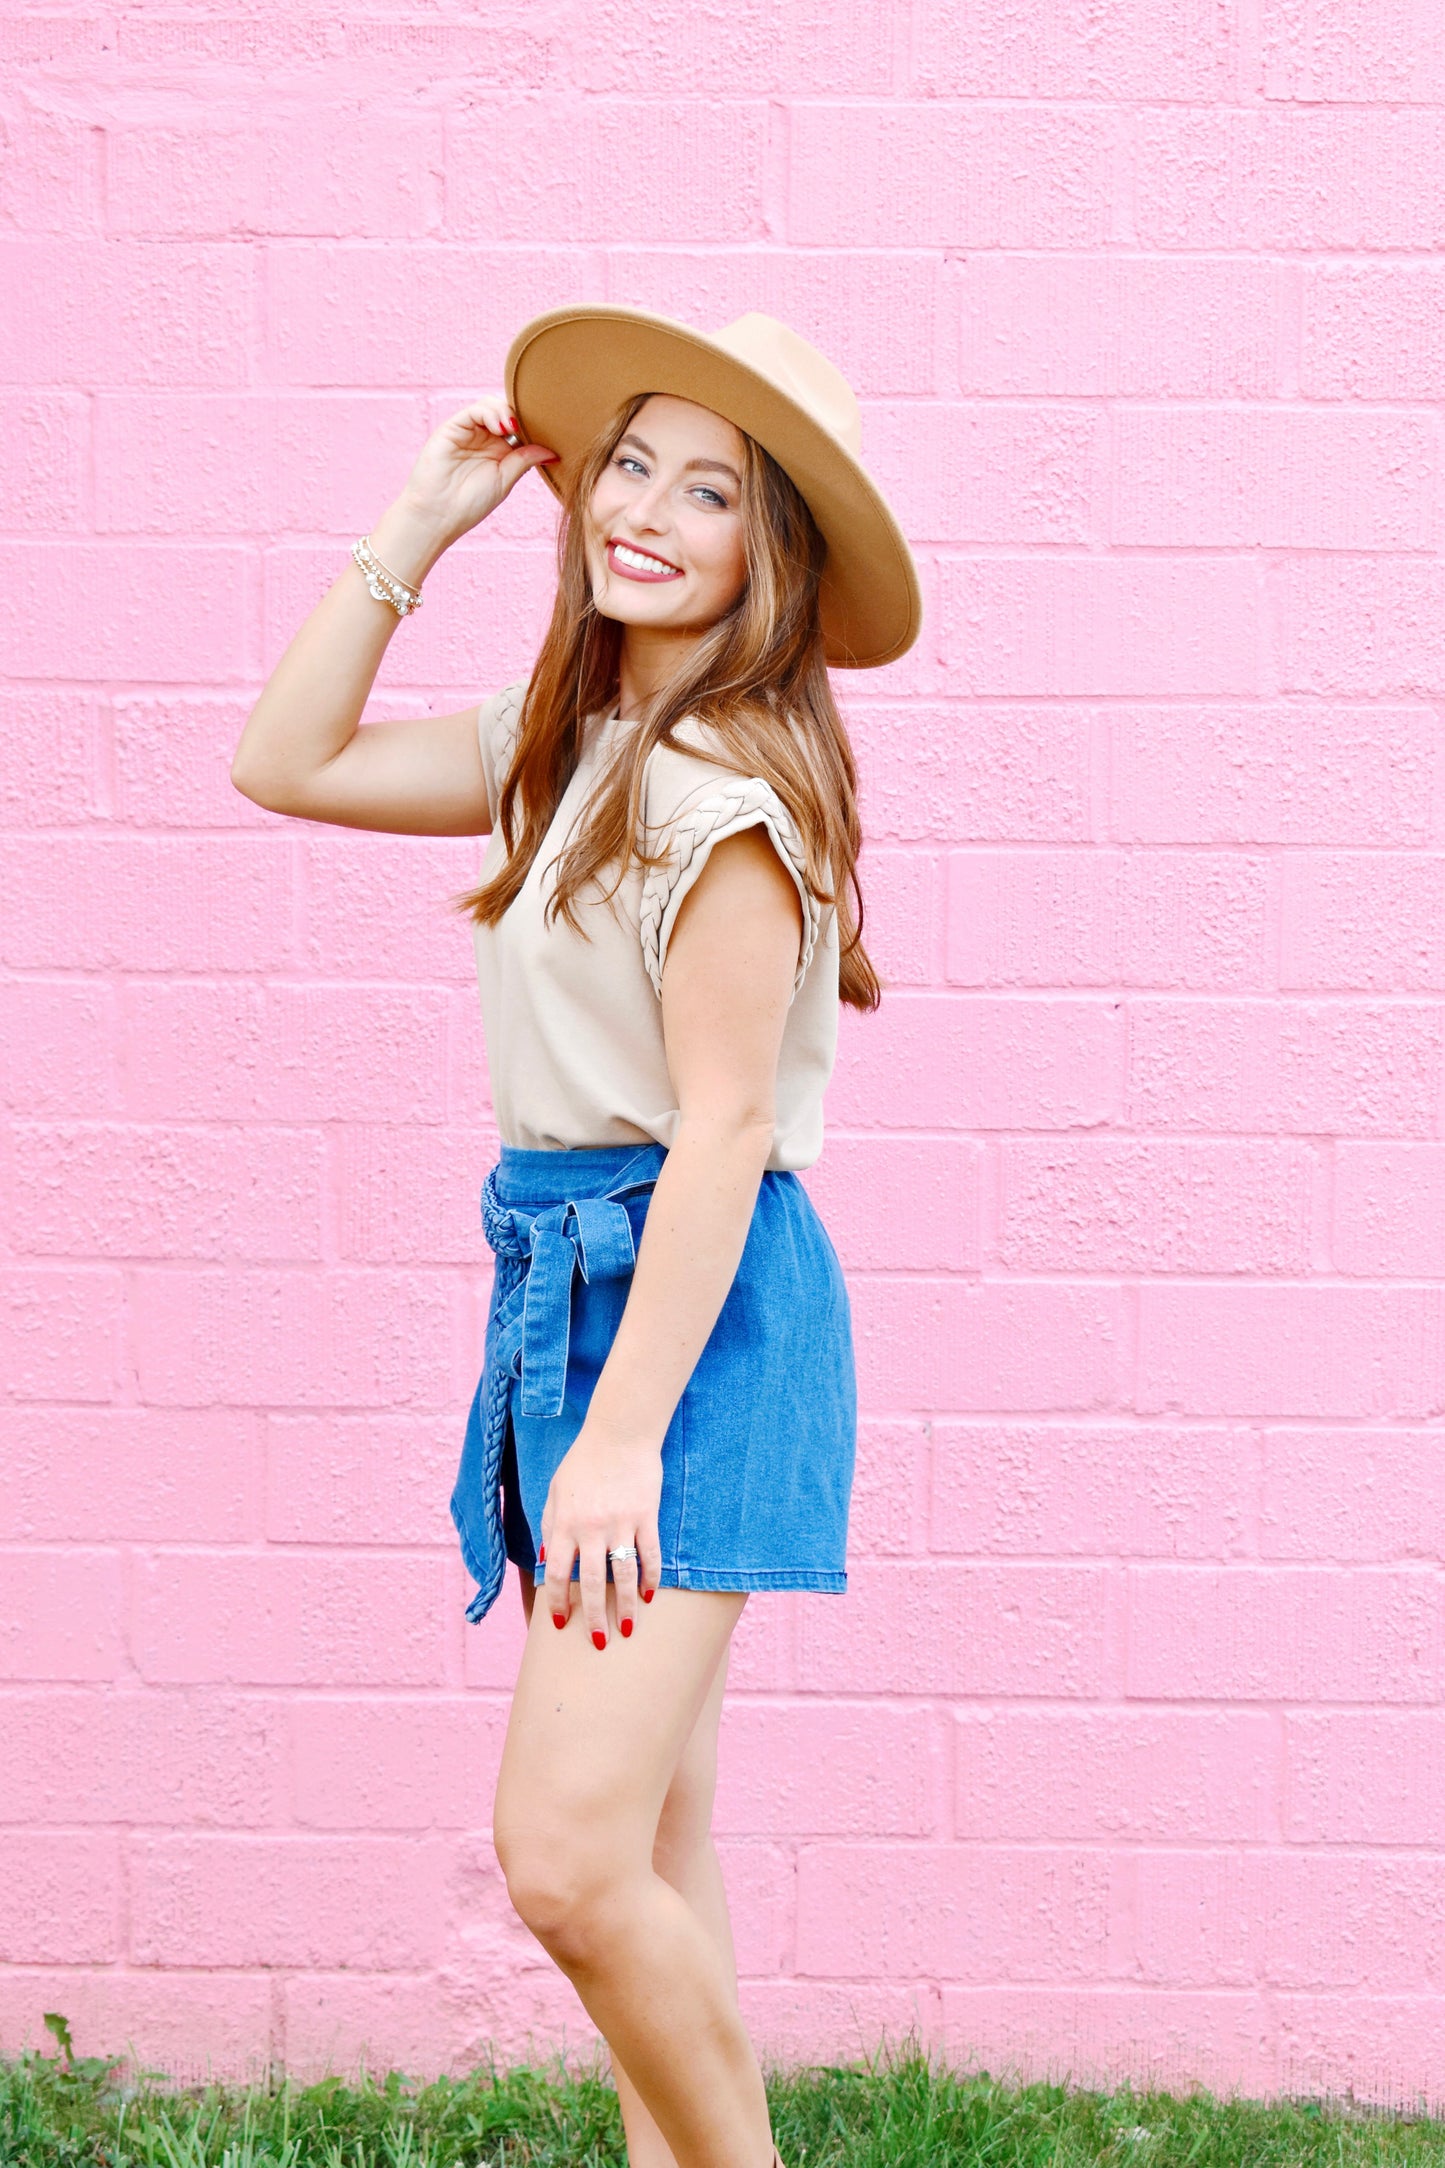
636	557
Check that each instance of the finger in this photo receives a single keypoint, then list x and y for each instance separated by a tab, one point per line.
649	1563
624	1581
593	1584
558	1584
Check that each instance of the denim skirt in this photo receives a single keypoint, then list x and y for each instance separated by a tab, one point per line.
757	1463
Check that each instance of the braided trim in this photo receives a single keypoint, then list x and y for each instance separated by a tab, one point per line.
509	716
739	802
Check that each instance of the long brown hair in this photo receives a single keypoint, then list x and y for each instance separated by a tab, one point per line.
756	679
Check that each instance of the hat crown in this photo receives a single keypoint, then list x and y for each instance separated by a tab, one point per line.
777	352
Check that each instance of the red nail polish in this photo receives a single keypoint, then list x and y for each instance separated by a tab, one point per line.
559	1619
624	1627
648	1594
599	1640
542	1556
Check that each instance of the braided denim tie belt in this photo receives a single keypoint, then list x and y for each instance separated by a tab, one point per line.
538	1256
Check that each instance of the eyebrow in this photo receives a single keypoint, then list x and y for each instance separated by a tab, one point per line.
705	466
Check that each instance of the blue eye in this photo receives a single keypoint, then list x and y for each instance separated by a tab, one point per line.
714	494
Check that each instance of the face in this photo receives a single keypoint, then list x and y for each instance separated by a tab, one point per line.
664	529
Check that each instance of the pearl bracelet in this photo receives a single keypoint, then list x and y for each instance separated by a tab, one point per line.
383	584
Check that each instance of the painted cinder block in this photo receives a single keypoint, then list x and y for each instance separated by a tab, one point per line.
1156	1205
1138	49
380	907
60	1331
377	314
944	176
1142	327
129	1475
1116	1776
1258	1633
1367	51
109	1189
1291	1349
1359	921
58	1047
990	471
353	1479
970	772
1277	773
60	1897
952	1912
1372	331
1093	1489
60	1612
166	612
257	1618
51	758
934	1185
122	312
1035	1630
684	170
44	443
289	1337
1106	917
1367	1496
222	1900
172	759
191	1758
240	463
881	1762
1351	1067
1119	1758
368	174
1325	179
1365	1777
307	1051
1276	478
1137	626
397	1763
957	1346
1389	1209
736	50
930	1061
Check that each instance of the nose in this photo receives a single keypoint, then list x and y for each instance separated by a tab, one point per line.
644	510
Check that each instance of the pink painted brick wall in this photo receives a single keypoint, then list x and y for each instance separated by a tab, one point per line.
1123	1755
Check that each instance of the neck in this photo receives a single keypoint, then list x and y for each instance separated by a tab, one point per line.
650	657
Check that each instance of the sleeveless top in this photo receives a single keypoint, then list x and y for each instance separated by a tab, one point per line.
573	1020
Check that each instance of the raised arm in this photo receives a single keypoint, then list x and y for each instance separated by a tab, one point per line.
726	986
304	749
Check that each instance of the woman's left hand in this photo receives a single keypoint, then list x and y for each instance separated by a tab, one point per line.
602	1497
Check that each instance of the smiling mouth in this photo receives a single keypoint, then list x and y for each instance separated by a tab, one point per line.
635	564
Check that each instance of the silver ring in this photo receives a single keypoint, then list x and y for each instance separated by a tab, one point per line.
626	1550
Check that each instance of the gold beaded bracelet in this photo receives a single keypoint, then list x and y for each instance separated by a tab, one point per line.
383	584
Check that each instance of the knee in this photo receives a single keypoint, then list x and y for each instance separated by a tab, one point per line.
564	1888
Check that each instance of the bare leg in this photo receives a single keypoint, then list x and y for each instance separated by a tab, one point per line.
593	1746
684	1855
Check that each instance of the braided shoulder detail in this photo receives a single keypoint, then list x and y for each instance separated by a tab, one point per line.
738	802
507	716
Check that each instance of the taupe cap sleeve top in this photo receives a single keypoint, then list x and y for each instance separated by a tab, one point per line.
573	1021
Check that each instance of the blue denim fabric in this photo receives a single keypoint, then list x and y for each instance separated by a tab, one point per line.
757	1463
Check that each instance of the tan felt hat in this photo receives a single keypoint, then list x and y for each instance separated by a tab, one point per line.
568	372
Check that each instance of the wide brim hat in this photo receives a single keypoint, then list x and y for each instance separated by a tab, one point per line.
569	371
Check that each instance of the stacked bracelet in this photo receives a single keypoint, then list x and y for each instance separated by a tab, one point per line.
383	584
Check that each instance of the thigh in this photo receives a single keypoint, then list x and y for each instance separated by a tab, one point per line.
595	1737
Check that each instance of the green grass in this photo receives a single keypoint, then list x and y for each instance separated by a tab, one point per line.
904	2110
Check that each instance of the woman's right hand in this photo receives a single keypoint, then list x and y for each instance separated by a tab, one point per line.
466	467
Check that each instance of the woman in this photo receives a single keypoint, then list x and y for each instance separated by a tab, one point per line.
666	921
